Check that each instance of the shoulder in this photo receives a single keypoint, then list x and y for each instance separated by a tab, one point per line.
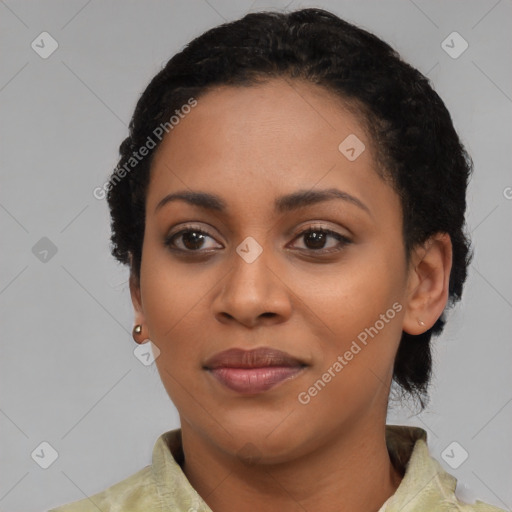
425	486
135	493
158	486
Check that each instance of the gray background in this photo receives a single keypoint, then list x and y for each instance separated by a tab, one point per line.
68	373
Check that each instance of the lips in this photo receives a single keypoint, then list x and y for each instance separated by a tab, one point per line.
253	371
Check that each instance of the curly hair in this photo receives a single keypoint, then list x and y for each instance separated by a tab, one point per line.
417	146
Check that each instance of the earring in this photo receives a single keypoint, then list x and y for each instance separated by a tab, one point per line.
136	330
421	323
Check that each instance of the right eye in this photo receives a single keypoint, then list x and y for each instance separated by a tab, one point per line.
191	239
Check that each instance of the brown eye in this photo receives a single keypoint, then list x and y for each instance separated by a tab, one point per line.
190	239
315	240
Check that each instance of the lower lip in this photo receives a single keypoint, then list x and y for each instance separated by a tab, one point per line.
254	380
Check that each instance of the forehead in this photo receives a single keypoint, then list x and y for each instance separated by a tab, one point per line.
252	144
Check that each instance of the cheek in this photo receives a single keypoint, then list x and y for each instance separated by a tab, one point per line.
354	297
173	297
362	310
170	288
356	364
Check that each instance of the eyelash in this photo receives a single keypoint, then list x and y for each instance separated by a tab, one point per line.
343	240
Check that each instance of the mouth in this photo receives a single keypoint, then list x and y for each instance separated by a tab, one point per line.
253	371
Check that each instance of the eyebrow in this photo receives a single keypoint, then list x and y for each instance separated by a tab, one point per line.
286	203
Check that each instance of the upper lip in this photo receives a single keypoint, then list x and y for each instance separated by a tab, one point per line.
256	358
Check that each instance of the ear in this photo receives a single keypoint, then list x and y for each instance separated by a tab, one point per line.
428	283
135	294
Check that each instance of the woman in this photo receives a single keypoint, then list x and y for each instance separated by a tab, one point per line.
290	202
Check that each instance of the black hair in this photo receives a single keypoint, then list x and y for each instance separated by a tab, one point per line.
417	146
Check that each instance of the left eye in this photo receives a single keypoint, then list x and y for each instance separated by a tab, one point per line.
315	239
190	237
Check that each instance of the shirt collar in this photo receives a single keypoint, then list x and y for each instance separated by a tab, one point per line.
424	479
425	484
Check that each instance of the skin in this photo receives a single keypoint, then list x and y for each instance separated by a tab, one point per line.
250	145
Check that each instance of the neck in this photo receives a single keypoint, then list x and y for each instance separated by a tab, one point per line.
351	472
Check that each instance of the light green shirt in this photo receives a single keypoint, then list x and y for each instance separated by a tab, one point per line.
163	487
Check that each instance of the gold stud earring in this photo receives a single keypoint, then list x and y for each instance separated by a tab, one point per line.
421	323
136	330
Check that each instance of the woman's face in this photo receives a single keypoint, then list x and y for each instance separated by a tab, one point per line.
333	302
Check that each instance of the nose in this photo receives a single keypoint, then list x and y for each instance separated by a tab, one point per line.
254	292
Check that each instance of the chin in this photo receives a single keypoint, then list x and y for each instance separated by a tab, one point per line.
253	444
